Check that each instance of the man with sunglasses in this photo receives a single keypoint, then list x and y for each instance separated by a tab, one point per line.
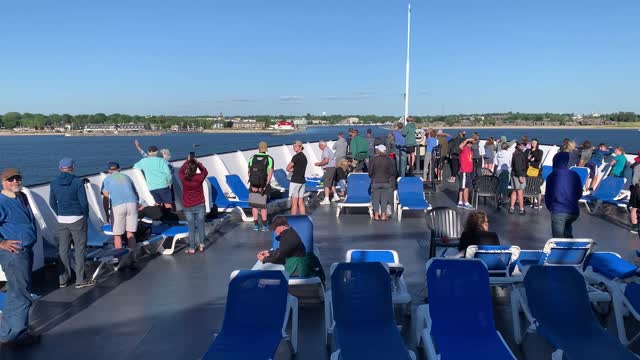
18	234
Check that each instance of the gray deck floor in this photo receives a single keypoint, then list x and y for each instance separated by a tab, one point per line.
173	305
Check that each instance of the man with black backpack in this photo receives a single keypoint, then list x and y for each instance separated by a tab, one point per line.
260	173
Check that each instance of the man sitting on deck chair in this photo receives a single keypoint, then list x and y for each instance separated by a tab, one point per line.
291	253
119	191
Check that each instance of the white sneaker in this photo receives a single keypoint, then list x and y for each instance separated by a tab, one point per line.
325	201
336	198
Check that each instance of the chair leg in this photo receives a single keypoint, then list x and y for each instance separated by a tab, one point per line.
294	323
515	317
95	273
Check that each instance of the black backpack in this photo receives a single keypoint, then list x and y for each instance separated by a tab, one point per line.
435	153
258	170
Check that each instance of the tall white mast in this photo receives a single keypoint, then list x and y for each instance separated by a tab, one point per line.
406	80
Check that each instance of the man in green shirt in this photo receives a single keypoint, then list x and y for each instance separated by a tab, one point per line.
409	133
359	150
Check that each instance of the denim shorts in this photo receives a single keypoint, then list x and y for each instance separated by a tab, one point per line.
162	196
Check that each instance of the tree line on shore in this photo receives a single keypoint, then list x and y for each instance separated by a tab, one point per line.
12	120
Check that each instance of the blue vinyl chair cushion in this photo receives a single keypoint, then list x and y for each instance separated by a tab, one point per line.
238	187
632	293
609	188
611	266
497	260
558	300
411	193
545	171
583	172
358	185
372	256
460	298
220	199
363	313
253	318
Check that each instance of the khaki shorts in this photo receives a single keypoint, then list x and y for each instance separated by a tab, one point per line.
125	218
329	177
296	190
516	184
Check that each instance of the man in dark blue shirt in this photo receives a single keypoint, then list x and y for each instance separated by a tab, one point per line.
564	190
18	235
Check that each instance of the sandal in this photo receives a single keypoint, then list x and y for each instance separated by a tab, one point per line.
190	251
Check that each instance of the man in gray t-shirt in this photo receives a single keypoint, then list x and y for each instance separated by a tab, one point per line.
328	164
340	147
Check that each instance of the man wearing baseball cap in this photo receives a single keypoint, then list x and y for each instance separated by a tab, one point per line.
18	234
68	199
121	206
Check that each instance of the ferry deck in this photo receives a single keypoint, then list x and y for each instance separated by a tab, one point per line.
171	307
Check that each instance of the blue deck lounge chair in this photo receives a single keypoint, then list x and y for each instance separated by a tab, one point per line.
226	205
399	292
498	260
545	171
237	186
362	313
559	303
280	175
607	191
357	193
255	318
303	225
410	196
160	234
557	252
621	279
458	321
583	172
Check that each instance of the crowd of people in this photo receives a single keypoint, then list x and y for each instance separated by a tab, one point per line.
383	159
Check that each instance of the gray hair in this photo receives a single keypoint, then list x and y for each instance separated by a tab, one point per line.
322	142
166	154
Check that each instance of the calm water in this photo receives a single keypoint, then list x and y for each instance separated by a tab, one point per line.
38	156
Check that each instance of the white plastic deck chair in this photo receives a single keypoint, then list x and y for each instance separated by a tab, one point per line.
98	250
556	252
458	320
357	193
399	292
621	278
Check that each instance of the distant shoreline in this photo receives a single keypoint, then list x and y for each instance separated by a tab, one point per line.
290	132
593	127
150	133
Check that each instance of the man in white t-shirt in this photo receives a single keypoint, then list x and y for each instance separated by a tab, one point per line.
328	164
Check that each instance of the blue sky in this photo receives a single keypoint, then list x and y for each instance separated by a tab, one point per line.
310	56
